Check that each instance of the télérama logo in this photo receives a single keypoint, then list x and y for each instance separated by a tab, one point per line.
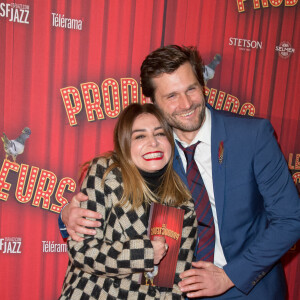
17	13
59	20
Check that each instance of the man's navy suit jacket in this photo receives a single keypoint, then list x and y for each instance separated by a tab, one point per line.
257	204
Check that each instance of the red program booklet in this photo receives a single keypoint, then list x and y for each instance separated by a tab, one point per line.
166	221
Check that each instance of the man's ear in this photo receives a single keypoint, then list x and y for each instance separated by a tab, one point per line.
148	100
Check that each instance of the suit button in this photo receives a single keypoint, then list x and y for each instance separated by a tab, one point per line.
253	282
117	283
152	291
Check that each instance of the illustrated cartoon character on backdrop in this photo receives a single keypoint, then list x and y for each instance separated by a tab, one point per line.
209	70
149	276
15	147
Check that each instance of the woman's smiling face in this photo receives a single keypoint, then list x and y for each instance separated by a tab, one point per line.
150	148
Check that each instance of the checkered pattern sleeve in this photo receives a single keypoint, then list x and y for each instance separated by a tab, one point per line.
112	251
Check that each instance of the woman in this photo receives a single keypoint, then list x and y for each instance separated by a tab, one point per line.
121	186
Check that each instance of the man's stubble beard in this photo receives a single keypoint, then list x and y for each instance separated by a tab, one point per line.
175	124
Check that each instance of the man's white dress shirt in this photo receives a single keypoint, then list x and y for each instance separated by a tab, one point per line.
203	161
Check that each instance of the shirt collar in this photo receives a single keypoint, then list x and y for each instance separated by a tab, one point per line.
204	133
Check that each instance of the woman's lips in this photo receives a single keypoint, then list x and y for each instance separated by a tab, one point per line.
157	155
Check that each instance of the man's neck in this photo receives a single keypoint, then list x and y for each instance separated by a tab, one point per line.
186	136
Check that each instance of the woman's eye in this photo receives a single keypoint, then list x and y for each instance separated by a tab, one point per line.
138	137
160	134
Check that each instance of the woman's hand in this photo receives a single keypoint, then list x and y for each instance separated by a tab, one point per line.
160	248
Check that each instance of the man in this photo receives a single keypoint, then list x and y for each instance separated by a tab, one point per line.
254	203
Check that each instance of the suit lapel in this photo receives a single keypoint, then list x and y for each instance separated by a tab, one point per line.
178	167
218	137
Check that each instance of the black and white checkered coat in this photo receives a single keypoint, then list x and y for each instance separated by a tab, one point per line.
108	265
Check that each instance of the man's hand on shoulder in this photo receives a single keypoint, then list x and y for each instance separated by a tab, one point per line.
74	217
204	280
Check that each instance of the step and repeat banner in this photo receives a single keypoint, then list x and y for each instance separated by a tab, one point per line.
68	68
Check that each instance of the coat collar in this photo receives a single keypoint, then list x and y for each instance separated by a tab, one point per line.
218	139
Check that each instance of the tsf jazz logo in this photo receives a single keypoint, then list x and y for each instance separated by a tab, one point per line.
10	245
18	13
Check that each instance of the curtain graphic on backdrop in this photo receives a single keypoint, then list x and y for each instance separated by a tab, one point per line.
68	68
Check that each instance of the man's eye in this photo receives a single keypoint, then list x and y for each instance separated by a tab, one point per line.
171	96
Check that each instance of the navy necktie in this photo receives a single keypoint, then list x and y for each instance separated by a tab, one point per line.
206	226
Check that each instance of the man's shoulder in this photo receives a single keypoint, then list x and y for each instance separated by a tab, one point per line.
234	119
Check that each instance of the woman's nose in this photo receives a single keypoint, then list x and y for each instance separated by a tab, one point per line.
153	140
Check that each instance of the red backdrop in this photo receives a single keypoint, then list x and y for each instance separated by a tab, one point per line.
86	55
